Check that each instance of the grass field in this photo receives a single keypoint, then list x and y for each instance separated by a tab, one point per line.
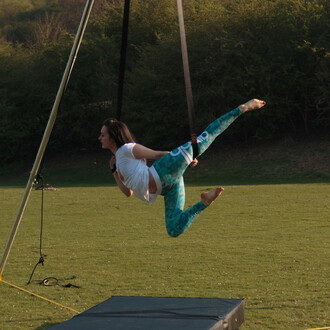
267	243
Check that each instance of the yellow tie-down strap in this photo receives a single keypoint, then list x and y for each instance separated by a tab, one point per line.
36	295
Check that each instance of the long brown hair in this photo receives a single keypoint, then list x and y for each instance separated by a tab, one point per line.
118	131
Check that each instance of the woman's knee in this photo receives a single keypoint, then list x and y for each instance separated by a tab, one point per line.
173	231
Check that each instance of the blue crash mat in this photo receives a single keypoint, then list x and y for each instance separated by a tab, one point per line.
158	313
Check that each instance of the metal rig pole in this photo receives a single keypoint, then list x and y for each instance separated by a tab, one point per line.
48	130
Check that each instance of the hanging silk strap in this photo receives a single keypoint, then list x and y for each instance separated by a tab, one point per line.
187	80
122	59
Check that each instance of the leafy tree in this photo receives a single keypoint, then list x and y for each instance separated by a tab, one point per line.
273	49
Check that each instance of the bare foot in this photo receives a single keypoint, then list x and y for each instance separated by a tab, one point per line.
209	197
253	104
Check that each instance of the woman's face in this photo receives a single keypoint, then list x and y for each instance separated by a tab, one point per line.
104	138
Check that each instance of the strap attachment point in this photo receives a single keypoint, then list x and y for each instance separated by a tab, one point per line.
194	145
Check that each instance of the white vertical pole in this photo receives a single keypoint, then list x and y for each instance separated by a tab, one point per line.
48	130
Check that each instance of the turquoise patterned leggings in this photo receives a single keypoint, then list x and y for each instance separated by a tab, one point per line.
171	168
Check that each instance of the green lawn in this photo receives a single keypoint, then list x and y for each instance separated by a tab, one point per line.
266	239
268	244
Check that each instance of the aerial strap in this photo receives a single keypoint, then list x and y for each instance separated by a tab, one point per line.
187	80
122	63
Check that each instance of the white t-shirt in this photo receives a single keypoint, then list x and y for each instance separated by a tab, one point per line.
134	173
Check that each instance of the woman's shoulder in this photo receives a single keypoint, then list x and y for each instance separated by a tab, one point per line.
126	148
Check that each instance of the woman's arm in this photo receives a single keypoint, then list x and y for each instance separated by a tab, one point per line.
128	192
140	151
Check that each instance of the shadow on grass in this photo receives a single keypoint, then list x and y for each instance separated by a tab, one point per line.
42	327
102	177
281	163
85	179
272	307
46	326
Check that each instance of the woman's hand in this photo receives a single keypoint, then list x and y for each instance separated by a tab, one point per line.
194	163
128	192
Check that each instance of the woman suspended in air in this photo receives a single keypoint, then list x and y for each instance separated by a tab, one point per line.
165	177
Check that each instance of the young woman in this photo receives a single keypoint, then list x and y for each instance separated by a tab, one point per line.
165	177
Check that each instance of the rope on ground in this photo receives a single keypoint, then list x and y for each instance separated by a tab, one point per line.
324	328
40	297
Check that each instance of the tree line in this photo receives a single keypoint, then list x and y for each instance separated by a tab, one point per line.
277	50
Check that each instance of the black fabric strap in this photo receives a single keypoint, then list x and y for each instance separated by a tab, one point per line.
113	170
122	59
194	145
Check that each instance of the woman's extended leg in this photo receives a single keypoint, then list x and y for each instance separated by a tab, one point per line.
220	124
173	165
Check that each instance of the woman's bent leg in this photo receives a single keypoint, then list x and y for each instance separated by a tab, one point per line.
177	221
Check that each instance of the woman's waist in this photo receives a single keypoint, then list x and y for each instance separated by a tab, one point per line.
155	185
